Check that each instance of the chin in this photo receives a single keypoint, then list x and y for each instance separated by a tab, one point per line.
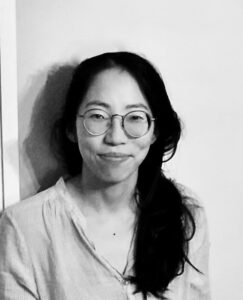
115	178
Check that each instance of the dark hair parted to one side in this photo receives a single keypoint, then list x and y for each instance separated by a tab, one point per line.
165	223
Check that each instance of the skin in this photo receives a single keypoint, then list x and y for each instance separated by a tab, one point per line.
114	91
105	191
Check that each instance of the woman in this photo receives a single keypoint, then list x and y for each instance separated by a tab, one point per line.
117	228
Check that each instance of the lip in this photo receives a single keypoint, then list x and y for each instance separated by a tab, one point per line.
114	156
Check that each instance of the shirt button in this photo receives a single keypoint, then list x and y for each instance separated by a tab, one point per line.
125	282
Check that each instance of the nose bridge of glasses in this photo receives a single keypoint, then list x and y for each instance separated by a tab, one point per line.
117	115
116	132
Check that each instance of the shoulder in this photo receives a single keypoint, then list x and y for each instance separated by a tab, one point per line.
30	206
201	235
29	215
199	247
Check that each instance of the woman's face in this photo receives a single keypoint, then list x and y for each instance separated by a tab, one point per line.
114	156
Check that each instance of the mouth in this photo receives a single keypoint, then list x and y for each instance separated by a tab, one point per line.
114	156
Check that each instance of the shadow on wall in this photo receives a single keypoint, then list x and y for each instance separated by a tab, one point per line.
45	165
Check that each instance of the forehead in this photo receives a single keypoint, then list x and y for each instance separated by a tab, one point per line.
116	88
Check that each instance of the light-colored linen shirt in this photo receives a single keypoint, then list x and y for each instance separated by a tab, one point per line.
45	254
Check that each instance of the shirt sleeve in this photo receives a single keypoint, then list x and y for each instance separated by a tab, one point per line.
16	274
199	286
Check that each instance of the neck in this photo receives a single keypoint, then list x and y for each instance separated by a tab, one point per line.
105	198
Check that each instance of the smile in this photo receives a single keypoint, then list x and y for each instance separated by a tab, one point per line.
114	156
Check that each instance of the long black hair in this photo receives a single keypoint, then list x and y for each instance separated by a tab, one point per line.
165	223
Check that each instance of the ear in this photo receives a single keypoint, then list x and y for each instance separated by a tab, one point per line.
154	138
71	136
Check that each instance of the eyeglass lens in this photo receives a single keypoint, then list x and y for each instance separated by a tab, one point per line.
135	123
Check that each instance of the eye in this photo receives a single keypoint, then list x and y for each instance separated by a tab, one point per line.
136	117
96	115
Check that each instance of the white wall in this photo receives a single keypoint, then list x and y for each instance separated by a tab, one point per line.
9	164
197	45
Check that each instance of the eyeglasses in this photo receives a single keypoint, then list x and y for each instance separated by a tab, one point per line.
135	123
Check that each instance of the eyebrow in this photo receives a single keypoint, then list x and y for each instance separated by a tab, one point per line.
106	105
138	105
97	102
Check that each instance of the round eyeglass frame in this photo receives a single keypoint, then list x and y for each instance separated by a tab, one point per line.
149	118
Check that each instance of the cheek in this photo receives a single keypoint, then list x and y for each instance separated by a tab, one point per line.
83	144
143	147
86	148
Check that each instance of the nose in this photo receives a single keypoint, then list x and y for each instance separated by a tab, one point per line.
116	135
